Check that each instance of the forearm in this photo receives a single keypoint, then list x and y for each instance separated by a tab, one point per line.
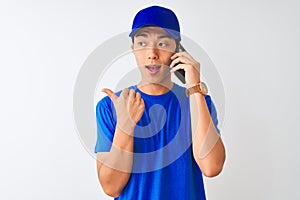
208	148
114	167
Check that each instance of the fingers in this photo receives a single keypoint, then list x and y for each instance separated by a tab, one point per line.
134	97
181	54
138	97
111	94
177	67
125	92
175	55
176	61
142	102
183	60
131	96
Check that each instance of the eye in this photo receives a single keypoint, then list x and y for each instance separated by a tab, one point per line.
142	44
162	44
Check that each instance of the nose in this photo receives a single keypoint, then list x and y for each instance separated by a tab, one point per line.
152	53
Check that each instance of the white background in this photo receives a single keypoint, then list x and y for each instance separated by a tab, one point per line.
254	45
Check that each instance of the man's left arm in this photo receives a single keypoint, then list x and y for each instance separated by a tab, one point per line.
208	148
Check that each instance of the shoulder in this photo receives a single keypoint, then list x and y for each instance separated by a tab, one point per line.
105	102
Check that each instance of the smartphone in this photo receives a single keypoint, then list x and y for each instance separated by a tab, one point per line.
180	73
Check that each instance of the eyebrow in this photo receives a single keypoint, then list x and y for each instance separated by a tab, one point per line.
145	35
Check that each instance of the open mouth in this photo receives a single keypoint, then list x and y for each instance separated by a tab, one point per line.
153	69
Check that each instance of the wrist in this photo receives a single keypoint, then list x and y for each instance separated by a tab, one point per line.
127	128
192	83
199	87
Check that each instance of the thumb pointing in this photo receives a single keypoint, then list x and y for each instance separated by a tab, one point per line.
110	94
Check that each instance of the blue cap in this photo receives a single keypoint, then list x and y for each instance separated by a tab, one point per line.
157	16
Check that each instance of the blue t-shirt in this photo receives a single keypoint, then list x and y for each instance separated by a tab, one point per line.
163	162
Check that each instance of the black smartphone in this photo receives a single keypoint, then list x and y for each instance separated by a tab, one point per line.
180	73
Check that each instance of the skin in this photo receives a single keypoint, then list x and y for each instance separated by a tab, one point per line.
153	46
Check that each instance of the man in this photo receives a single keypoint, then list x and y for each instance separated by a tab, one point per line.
156	138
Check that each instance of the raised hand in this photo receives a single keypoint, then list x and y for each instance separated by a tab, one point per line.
129	108
183	60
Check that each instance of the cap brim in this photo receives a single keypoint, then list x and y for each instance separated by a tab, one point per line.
174	34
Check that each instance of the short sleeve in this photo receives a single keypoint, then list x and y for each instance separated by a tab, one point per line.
213	112
105	125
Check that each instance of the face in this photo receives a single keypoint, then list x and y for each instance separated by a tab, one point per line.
153	48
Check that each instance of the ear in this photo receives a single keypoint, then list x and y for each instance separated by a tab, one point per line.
131	46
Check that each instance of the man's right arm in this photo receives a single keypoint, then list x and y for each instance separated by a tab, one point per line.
114	167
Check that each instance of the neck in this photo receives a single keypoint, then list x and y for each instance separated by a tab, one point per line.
155	88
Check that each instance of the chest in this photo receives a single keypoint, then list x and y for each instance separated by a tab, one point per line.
160	124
